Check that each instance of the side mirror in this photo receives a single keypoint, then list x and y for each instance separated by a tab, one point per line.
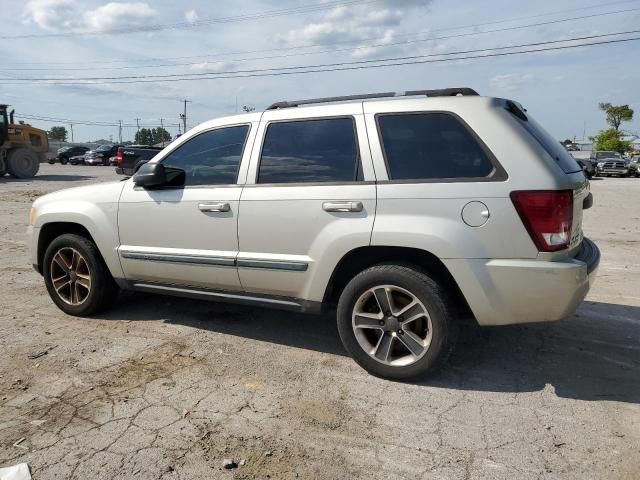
150	175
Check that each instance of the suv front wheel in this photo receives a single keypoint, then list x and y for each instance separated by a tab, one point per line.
76	276
396	322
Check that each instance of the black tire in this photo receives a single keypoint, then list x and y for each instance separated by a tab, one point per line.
428	291
103	288
22	163
64	161
51	161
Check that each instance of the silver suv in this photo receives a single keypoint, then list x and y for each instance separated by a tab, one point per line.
403	211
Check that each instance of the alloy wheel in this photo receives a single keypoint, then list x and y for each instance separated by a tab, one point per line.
70	276
392	325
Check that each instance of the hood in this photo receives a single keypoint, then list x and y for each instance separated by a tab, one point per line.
101	193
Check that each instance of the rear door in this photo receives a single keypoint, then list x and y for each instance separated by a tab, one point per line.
310	198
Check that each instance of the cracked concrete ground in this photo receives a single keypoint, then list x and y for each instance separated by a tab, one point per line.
165	388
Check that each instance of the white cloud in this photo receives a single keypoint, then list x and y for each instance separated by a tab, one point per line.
511	81
191	16
350	24
57	15
212	66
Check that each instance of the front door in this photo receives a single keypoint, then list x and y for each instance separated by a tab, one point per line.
187	235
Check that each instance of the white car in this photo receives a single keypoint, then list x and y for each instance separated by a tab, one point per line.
399	211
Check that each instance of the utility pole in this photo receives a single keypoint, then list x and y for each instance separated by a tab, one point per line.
71	125
119	131
138	129
184	115
162	131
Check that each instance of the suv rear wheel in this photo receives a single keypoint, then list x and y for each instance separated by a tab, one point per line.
76	276
396	322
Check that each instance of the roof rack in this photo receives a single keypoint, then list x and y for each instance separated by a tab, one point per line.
443	92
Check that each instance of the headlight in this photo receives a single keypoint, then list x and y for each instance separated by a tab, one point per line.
600	164
32	216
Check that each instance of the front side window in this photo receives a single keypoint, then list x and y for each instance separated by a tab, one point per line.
323	150
210	158
422	146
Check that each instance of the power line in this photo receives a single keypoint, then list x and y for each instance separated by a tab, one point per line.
360	47
279	49
277	70
364	67
200	23
88	122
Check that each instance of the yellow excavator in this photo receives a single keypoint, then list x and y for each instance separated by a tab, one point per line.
22	147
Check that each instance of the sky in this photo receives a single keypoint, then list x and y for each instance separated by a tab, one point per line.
68	41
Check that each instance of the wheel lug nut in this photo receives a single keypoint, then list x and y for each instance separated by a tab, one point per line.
400	332
381	323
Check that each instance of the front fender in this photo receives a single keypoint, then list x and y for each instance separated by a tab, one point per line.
98	218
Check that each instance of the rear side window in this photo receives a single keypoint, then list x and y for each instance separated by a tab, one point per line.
552	146
421	146
323	150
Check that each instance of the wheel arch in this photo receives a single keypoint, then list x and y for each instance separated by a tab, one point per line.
52	230
362	258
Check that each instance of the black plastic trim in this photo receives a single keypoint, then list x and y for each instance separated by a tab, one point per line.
227	296
443	92
589	253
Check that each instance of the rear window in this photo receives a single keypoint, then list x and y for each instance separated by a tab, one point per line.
553	147
422	146
322	150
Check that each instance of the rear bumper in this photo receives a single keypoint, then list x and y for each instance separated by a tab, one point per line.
503	292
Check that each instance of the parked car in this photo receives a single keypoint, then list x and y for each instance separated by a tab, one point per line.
634	166
101	155
587	167
609	163
397	212
64	155
77	160
131	157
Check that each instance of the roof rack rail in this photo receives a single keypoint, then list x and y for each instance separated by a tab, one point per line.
443	92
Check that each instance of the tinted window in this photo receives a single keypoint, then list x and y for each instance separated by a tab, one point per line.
211	158
309	151
431	145
564	160
603	155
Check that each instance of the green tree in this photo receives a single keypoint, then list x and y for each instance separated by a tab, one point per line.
616	114
160	135
58	133
143	137
610	140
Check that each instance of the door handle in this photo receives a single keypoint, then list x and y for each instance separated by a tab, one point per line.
214	207
342	206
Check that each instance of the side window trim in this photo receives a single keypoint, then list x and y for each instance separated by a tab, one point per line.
358	163
250	130
498	173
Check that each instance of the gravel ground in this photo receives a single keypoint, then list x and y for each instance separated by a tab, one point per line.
169	388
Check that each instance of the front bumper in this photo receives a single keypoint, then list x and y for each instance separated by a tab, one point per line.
503	292
612	171
33	233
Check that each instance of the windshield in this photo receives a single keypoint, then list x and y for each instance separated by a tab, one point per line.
103	148
601	155
63	149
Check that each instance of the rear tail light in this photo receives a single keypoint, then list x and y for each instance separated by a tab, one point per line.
547	215
119	157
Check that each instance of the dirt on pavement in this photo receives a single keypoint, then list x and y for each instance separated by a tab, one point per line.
168	388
